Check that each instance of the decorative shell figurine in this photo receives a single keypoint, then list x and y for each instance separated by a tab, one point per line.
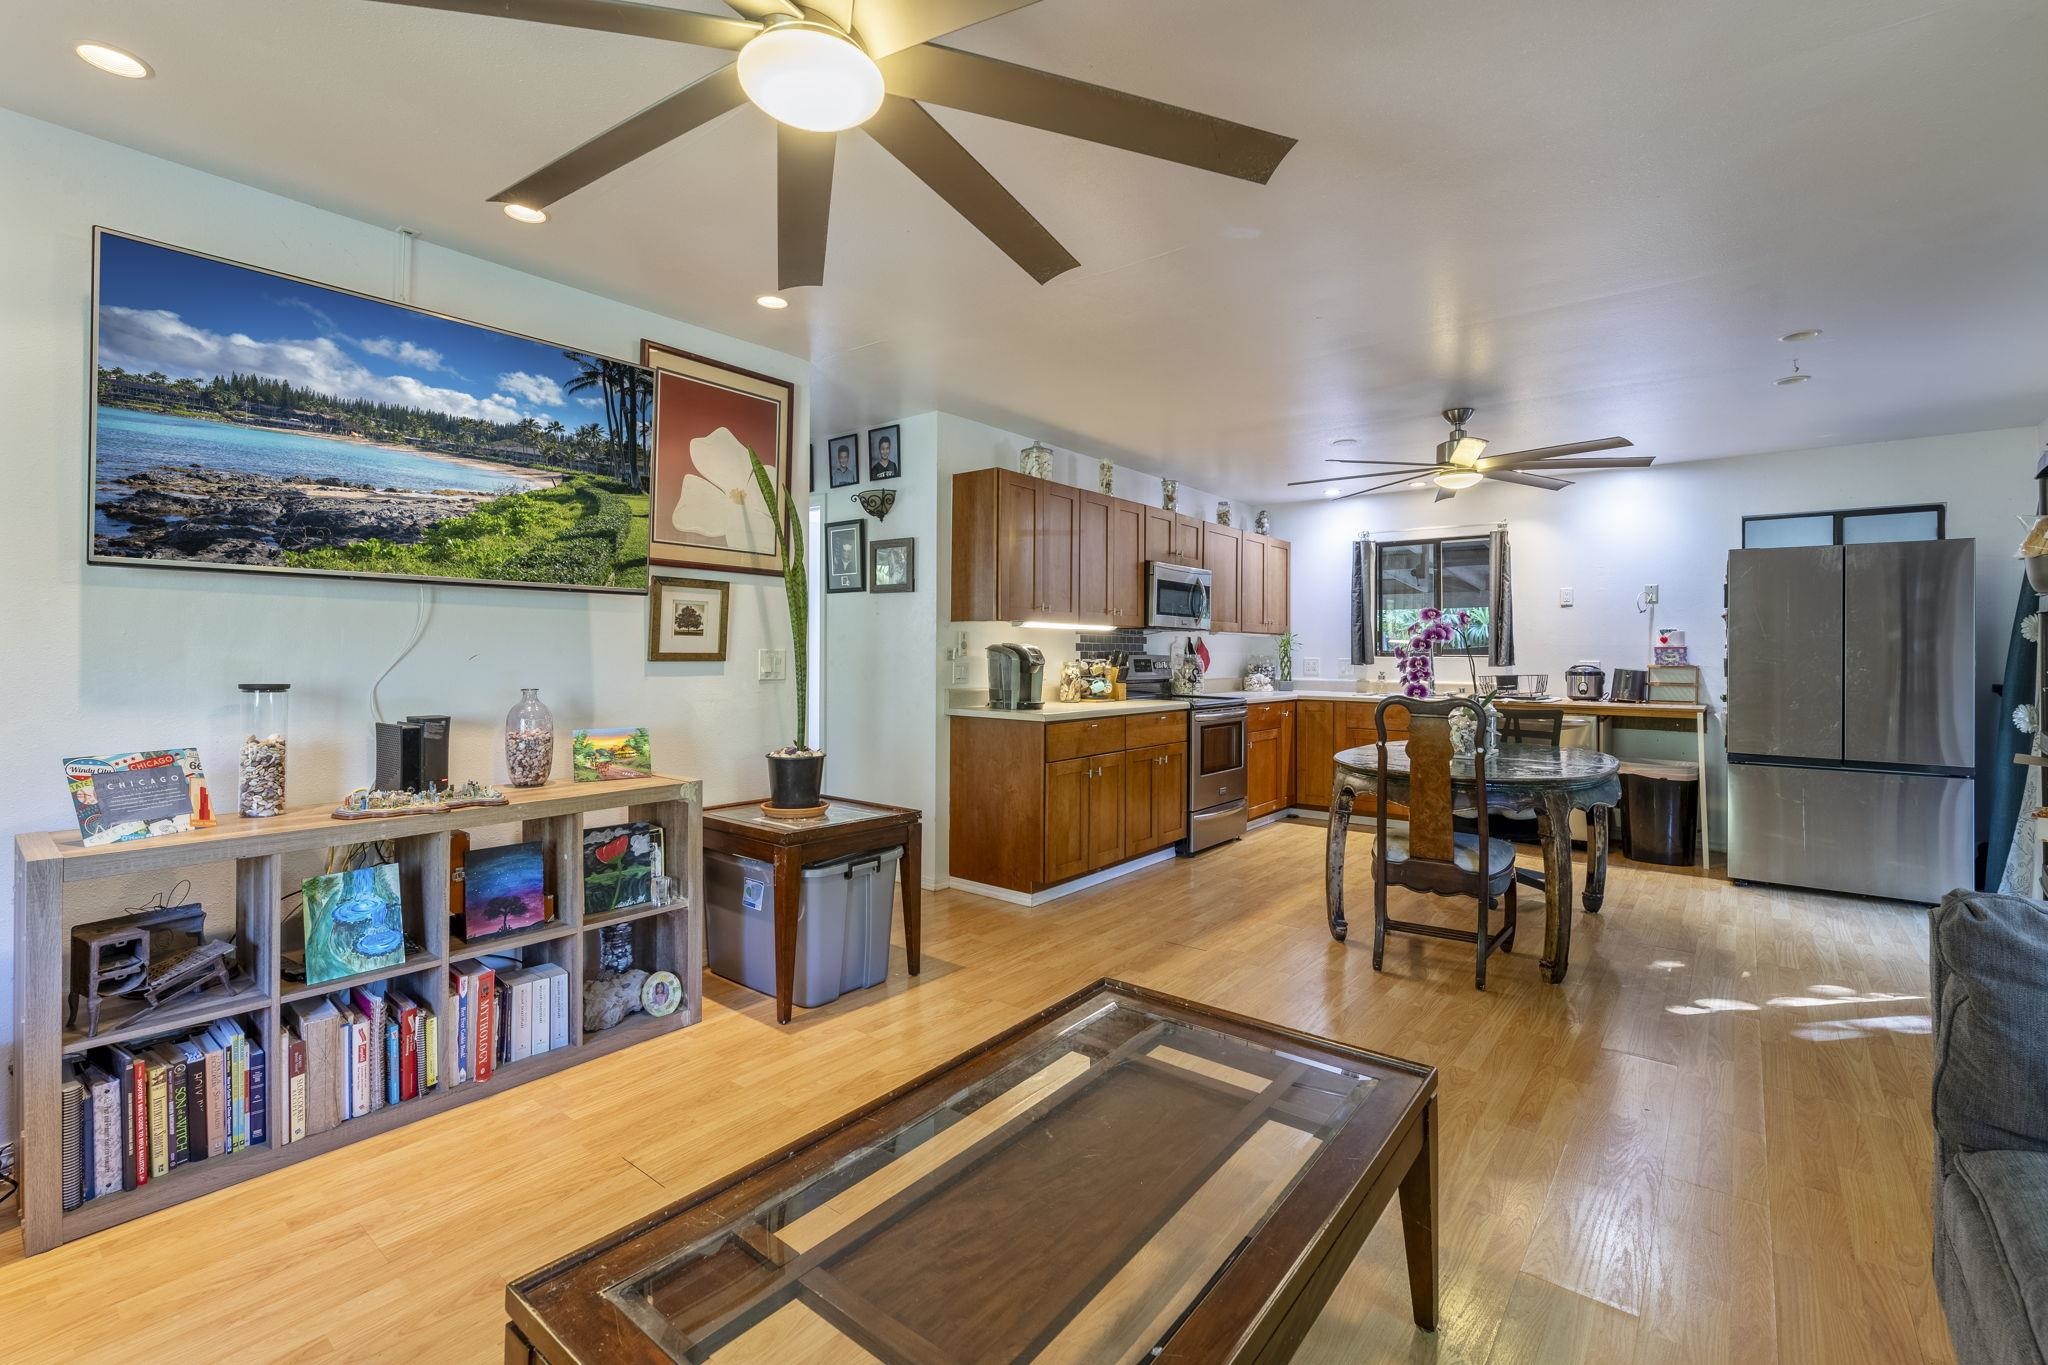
1222	512
1036	460
1261	524
1169	494
1106	475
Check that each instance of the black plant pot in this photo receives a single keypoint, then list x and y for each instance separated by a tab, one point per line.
794	781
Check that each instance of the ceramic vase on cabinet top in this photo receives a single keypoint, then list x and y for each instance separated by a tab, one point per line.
1169	494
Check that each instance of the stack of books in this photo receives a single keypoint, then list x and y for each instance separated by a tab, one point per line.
506	1014
135	1113
353	1053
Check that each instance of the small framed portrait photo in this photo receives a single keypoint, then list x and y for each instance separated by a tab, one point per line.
686	620
842	460
846	552
892	566
885	453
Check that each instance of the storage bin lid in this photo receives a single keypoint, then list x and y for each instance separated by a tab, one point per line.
1672	771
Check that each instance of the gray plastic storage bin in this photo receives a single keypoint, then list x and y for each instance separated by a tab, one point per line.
842	926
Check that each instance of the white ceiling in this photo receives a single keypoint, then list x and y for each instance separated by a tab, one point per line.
1583	217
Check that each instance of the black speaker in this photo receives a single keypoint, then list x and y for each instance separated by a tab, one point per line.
433	748
398	756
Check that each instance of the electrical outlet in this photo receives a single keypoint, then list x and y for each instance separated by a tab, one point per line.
1566	597
1311	668
771	665
1650	594
959	670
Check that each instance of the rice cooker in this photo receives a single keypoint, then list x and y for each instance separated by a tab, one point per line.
1584	682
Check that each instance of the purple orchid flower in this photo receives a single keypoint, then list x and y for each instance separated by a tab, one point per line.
1430	613
1416	690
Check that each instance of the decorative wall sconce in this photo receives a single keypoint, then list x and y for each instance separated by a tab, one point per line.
876	502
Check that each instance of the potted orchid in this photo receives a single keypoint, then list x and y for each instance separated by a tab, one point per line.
1459	630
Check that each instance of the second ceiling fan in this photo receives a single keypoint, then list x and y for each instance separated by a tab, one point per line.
1461	462
827	67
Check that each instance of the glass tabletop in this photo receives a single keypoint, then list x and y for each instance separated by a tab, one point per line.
838	811
1071	1206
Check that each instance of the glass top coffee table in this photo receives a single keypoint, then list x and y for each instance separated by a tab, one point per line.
1121	1174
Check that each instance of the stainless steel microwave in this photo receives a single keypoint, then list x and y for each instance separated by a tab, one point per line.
1176	596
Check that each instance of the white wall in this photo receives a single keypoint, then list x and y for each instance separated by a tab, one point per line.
1672	525
101	659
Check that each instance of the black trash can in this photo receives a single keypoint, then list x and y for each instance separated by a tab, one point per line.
1660	815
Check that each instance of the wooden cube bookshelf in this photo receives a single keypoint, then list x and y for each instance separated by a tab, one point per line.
44	864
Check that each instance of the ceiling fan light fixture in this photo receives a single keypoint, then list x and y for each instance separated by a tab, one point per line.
113	61
1461	450
772	301
1457	480
810	75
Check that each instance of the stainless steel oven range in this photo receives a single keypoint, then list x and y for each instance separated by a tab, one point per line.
1216	777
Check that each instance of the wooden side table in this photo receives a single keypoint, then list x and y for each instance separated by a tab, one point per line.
845	829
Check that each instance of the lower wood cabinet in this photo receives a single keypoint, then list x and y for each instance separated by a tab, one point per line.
1269	757
1034	803
1324	728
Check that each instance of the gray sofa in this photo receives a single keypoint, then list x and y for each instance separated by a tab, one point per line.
1989	968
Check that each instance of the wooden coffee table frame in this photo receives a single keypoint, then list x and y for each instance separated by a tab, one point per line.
1257	1309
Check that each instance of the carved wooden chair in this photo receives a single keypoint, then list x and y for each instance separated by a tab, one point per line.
1434	857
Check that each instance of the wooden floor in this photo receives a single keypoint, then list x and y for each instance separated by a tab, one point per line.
1710	1144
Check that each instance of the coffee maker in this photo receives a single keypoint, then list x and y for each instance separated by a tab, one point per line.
1016	678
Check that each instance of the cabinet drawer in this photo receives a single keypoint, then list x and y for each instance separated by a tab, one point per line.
1080	738
1265	715
1157	727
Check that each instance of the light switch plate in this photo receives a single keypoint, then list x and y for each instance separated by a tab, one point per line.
771	665
1650	594
1565	597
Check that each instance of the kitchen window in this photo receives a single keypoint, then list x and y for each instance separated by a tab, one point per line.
1853	526
1451	574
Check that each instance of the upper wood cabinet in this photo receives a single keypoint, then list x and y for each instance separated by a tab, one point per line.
1221	546
1030	549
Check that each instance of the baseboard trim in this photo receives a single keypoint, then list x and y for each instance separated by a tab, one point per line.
1053	893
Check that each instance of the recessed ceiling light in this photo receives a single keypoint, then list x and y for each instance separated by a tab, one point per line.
1807	334
1419	483
113	60
1331	492
1345	441
522	213
772	301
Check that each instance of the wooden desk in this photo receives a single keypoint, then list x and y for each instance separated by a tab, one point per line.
1603	713
846	827
1123	1177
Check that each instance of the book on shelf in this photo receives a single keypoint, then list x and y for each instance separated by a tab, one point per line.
519	1014
159	1115
142	1111
458	999
371	1004
295	1087
131	1076
259	1094
430	1049
103	1096
557	978
196	1099
177	1104
318	1027
476	987
71	1163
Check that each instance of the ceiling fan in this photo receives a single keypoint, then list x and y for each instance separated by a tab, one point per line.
1462	461
817	74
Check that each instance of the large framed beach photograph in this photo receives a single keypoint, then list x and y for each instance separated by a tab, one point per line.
708	510
245	419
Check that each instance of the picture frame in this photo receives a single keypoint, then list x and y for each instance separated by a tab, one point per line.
707	416
892	565
686	619
885	453
842	461
846	554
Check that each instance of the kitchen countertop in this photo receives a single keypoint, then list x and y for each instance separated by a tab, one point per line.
1074	710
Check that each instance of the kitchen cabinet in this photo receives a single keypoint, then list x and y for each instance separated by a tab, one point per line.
1220	549
1269	757
1028	549
1315	745
1155	797
1033	803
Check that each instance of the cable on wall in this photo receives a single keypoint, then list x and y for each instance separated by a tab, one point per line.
408	243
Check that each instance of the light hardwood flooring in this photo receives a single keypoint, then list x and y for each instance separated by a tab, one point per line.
1710	1144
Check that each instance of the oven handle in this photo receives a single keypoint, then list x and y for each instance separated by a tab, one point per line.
1210	717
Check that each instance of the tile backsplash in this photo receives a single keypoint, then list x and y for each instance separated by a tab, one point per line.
1102	644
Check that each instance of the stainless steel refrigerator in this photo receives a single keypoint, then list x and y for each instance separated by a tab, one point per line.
1851	725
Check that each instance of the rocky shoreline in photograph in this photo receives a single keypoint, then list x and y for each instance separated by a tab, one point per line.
195	513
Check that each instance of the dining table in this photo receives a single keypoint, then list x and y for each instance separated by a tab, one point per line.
1521	780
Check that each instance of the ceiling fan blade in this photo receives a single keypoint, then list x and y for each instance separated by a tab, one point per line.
1376	488
935	156
1402	464
1521	457
803	204
1444	494
1060	104
608	16
1624	462
655	126
888	26
760	11
1527	480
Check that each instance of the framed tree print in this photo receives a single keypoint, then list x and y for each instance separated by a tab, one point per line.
705	511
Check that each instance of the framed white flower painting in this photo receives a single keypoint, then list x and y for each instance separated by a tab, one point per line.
705	509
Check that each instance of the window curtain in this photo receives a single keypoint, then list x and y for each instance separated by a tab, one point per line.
1365	606
1500	649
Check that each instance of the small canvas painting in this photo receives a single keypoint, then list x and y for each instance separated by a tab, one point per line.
620	863
355	922
610	755
504	890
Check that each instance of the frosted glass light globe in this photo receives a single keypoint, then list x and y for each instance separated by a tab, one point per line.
809	75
